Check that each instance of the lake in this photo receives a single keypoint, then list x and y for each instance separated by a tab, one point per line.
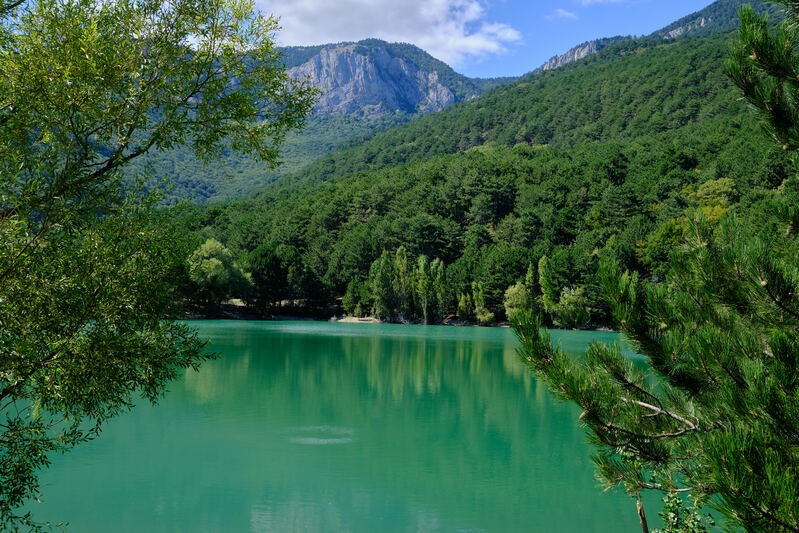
309	426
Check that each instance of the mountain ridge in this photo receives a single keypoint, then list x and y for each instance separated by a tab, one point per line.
372	77
719	17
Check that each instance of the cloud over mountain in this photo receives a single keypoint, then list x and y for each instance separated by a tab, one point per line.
454	31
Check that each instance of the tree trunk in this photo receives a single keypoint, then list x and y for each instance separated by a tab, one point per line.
641	515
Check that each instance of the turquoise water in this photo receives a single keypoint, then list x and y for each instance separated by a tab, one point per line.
305	426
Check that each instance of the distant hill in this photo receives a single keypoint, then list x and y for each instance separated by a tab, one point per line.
181	176
719	17
365	87
636	87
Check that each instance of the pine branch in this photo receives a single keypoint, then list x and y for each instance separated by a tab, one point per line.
777	301
765	513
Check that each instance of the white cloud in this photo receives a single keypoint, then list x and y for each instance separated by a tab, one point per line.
597	2
561	14
454	31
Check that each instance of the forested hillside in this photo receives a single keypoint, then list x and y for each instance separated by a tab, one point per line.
364	87
508	200
634	89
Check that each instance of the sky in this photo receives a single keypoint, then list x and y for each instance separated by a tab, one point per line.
478	38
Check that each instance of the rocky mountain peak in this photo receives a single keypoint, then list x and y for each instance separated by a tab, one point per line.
374	78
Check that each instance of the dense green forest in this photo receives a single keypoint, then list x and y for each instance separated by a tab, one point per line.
181	176
537	110
505	201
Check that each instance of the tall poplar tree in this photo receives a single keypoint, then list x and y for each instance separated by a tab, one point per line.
86	268
381	276
423	286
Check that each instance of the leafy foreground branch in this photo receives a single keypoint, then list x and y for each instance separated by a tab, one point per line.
87	267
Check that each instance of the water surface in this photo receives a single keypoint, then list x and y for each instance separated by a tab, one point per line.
303	426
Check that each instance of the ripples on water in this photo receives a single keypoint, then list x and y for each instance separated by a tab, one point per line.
321	435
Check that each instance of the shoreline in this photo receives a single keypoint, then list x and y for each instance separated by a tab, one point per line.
239	312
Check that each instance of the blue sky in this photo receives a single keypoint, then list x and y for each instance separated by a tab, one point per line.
479	38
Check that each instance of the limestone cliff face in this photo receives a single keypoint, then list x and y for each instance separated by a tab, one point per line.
687	28
375	78
575	54
580	51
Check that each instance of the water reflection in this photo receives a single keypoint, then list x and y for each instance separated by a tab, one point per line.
333	427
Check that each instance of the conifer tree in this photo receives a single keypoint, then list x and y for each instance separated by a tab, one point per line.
548	289
716	417
765	65
483	315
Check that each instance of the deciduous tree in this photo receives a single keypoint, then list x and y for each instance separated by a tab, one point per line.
215	276
85	271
